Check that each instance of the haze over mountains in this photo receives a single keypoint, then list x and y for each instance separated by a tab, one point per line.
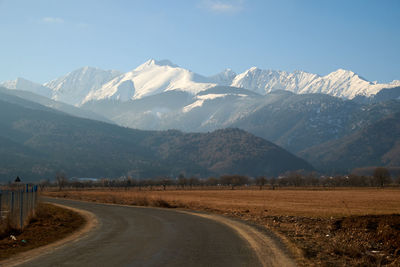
319	118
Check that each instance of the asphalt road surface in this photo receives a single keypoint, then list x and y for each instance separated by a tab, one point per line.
136	236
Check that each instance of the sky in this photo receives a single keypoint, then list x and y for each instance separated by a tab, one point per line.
41	40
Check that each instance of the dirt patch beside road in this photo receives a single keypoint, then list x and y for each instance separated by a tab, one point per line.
52	226
269	250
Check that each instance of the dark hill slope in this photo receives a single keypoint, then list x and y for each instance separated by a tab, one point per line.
31	97
298	122
376	145
37	142
226	151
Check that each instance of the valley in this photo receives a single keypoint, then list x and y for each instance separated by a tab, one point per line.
200	133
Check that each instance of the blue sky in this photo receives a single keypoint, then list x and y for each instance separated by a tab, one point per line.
41	40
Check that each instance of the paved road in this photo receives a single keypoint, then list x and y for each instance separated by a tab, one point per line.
135	236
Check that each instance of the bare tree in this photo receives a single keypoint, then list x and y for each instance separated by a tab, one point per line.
61	180
44	183
295	179
165	182
261	181
381	176
182	181
193	181
272	182
211	181
234	180
150	183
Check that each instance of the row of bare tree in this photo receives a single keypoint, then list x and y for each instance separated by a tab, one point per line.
381	177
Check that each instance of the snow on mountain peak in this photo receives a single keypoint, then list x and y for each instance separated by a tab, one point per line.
223	78
340	83
343	74
343	83
253	69
153	77
157	76
395	83
342	71
152	62
165	62
265	81
18	82
26	85
73	87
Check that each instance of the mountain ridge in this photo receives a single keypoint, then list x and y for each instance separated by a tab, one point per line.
152	77
377	144
37	141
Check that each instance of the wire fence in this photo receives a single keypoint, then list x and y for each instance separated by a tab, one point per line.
18	205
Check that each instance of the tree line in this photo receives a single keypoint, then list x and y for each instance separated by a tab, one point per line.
381	177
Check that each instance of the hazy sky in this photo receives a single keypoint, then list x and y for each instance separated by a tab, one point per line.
41	40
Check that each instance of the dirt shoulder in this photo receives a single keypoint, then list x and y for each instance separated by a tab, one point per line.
53	226
348	232
268	248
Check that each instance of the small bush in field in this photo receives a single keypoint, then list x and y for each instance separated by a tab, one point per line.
159	202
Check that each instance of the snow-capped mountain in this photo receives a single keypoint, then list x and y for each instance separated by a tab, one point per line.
341	83
25	85
152	77
266	81
223	78
345	84
73	87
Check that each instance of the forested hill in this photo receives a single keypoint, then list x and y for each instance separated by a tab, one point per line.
375	145
37	141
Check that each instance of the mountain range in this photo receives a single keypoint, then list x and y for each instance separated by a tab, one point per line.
304	113
37	141
154	77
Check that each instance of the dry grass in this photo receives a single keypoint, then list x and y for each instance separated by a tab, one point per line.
311	203
343	227
50	223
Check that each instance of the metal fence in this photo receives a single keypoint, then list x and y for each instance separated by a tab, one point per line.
18	205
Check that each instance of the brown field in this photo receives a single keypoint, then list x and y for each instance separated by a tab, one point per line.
357	227
313	203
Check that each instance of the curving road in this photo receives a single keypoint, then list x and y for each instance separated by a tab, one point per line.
136	236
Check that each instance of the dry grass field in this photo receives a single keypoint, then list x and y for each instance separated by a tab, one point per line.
357	227
313	203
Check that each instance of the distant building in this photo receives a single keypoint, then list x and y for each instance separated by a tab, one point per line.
17	180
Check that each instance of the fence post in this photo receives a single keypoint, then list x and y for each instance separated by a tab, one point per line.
31	201
1	207
21	209
12	203
35	198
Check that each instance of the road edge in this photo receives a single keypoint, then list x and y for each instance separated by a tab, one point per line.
266	248
91	222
